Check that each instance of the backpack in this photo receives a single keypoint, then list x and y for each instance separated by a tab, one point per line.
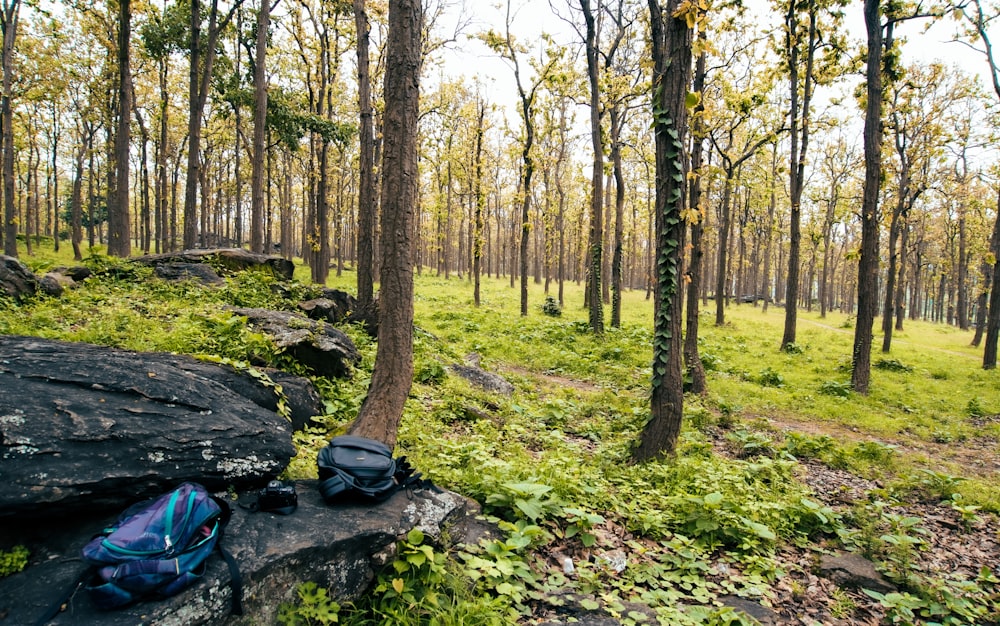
158	548
355	469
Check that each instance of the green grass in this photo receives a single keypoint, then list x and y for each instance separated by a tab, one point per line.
550	464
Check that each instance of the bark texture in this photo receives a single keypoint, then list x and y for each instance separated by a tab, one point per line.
392	376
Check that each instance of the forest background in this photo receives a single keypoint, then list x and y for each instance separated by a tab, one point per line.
188	163
109	144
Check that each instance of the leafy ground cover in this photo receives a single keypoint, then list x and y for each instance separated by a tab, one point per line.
779	463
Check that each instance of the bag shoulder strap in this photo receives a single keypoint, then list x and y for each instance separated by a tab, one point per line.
235	578
65	596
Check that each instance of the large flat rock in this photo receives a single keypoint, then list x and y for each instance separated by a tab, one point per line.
86	427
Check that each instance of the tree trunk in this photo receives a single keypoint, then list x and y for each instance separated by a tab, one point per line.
692	359
392	377
890	279
993	316
76	219
982	303
671	43
868	263
725	226
119	233
617	244
477	228
963	272
367	210
904	236
9	26
799	146
200	78
259	131
596	240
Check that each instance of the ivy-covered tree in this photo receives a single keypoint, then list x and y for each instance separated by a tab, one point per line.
671	38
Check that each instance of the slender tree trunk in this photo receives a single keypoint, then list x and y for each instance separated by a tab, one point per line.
11	9
392	377
868	263
692	359
367	209
890	283
77	201
259	130
725	226
617	251
800	144
993	315
200	78
477	237
119	227
982	303
765	288
904	236
596	239
963	273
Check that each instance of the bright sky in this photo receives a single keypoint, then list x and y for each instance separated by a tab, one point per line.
531	17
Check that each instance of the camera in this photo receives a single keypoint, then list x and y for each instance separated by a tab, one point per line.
277	497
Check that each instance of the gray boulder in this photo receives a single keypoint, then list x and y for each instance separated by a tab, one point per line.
85	427
324	349
16	280
234	259
197	272
853	571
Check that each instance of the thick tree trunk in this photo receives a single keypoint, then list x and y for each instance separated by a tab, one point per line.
671	41
393	374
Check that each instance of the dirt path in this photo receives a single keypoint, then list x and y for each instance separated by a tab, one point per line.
977	457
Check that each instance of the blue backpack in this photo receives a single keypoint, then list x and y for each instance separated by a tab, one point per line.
158	548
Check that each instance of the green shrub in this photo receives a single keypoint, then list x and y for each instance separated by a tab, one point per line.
803	446
835	388
315	607
551	307
768	377
793	348
13	561
892	365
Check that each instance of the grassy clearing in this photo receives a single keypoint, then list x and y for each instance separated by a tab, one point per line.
549	464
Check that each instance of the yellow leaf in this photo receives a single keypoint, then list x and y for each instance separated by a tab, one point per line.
397	584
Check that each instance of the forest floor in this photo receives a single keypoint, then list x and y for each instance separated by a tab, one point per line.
949	546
